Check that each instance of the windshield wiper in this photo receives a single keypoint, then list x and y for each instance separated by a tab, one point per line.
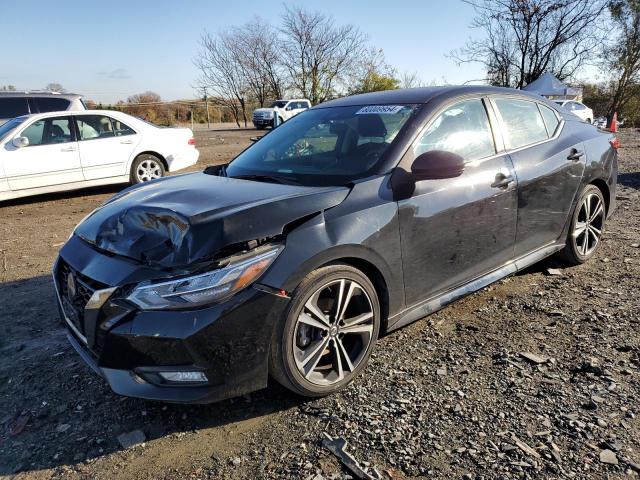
266	178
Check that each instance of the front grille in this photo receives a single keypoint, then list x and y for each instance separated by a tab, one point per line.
73	303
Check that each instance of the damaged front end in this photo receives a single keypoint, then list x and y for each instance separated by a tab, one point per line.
197	218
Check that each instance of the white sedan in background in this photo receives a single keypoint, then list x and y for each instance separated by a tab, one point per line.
578	109
57	151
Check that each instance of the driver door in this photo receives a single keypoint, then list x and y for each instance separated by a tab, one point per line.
457	229
51	158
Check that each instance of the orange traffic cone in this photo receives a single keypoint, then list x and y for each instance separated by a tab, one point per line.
614	123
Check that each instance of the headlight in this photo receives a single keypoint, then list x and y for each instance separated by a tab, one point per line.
204	288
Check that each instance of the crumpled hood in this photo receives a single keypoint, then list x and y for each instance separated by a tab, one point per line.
176	221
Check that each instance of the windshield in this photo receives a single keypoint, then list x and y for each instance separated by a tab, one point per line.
328	146
5	128
279	104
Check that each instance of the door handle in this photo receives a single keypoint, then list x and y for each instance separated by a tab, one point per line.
68	149
575	154
126	142
502	180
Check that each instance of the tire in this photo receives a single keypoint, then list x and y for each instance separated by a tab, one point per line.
342	347
146	167
589	121
576	251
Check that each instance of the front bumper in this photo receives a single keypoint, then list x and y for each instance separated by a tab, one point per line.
262	122
228	341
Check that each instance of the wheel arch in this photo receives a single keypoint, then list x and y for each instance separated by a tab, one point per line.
155	154
373	273
358	256
604	188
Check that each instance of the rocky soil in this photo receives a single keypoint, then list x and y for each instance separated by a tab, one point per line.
537	376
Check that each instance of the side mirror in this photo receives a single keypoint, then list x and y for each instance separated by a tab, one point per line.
437	164
20	142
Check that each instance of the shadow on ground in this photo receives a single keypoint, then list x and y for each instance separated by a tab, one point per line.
55	411
52	197
630	180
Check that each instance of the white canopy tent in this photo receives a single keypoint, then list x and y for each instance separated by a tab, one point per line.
549	86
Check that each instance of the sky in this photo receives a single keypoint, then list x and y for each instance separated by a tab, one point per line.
107	51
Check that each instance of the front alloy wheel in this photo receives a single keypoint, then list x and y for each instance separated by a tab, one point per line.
329	331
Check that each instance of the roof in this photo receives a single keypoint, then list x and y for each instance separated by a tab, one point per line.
32	93
547	84
422	95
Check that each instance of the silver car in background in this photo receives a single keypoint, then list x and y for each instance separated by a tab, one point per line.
15	104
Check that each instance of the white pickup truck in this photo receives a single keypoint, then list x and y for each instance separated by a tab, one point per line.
281	109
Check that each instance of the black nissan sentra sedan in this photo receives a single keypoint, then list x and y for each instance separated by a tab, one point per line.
352	219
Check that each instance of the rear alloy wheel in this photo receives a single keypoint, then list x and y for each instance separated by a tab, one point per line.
329	333
146	167
587	226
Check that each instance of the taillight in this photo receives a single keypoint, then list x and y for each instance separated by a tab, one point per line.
192	141
615	143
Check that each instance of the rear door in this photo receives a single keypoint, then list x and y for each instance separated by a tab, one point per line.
106	145
549	161
454	230
51	158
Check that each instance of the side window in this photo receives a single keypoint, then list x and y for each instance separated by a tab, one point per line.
306	104
51	104
120	129
94	126
463	129
49	131
13	107
550	119
522	122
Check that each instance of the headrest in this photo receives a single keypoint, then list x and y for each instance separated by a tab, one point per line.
371	126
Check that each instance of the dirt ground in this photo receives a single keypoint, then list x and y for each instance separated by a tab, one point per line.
450	396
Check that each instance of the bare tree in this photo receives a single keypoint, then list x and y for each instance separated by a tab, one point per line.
410	80
222	72
54	87
621	58
522	39
260	60
319	55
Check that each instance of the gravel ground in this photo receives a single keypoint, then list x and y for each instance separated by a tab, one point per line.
537	376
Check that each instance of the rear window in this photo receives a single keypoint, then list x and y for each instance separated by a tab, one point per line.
13	107
522	122
49	104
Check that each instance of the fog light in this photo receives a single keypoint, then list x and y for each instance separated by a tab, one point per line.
183	376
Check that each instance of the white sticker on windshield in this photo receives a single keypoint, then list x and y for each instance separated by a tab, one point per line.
380	109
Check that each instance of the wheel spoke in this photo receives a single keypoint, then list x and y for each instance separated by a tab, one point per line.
338	359
345	355
595	230
348	322
312	306
579	229
587	207
346	300
314	354
308	320
596	211
366	328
